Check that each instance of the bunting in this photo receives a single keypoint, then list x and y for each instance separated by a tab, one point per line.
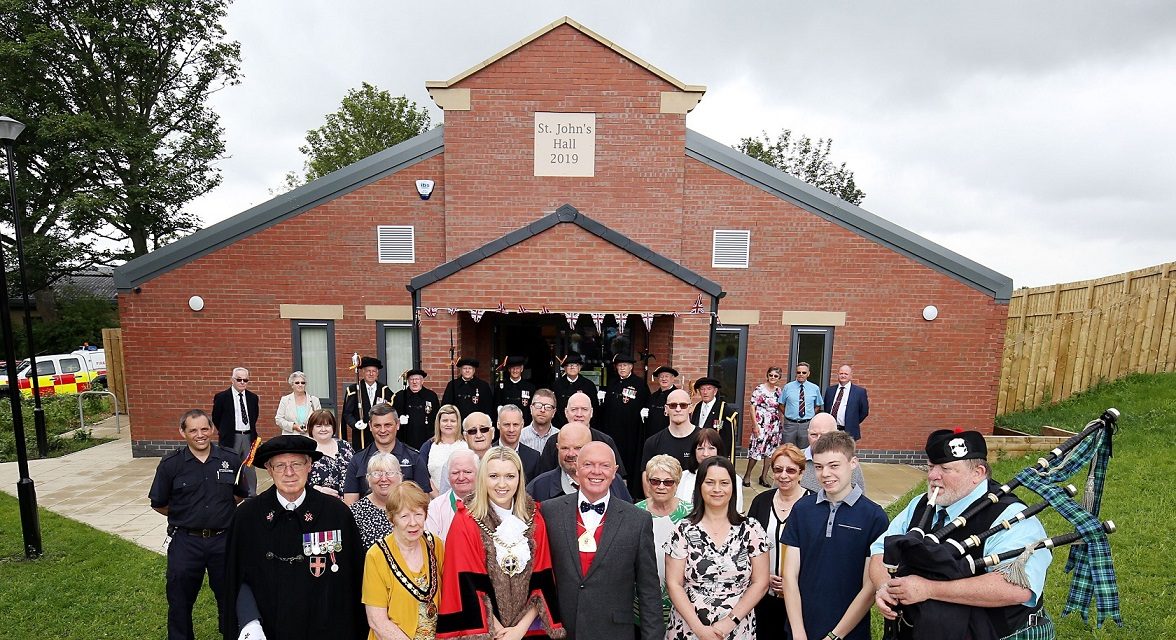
697	306
476	314
598	320
621	319
572	317
647	318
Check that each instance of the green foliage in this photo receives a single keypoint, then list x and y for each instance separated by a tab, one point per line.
805	159
89	584
368	121
61	416
120	136
1137	497
81	317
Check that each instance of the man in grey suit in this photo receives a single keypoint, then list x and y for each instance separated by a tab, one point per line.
602	551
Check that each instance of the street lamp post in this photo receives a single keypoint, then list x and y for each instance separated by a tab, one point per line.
26	492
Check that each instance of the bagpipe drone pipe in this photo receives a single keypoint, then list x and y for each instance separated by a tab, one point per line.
935	556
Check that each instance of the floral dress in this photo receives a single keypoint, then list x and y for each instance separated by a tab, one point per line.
329	471
764	401
715	578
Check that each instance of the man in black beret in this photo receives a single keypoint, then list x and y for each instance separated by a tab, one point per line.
958	476
513	389
712	412
295	556
416	405
655	413
568	384
358	400
624	399
469	393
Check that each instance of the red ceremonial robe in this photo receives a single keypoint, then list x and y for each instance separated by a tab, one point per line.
467	592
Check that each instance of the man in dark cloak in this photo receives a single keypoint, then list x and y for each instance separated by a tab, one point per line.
656	418
513	389
416	405
295	558
568	384
624	400
468	392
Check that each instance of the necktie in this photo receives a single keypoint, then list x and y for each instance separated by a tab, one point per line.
802	401
837	400
244	412
585	507
940	519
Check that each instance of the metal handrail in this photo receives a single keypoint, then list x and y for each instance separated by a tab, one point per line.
82	413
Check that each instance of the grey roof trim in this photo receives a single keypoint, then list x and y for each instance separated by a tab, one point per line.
852	217
278	209
568	214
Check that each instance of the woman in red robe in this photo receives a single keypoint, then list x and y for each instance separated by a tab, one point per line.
497	582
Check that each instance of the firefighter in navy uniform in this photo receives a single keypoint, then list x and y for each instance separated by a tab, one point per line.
196	487
625	398
568	384
469	393
358	400
417	406
512	389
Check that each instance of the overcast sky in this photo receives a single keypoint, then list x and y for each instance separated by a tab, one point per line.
1036	138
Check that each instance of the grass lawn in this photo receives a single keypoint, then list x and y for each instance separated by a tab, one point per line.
89	584
1138	497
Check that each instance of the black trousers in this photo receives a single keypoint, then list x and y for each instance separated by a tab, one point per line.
188	558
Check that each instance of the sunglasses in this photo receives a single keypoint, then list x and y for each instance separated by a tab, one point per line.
295	382
658	482
773	375
241	379
678	405
475	430
802	373
789	470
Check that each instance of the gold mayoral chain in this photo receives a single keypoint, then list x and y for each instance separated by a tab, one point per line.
511	565
426	594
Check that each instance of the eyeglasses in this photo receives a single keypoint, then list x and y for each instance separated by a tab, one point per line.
241	379
789	470
542	406
380	475
678	405
658	482
476	430
773	375
295	382
282	467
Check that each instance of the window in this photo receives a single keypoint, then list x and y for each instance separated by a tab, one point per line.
70	365
396	244
813	345
394	343
731	249
313	343
728	367
45	368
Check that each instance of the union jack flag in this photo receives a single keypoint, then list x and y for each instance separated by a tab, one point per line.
647	318
522	309
502	307
545	309
476	314
697	306
430	311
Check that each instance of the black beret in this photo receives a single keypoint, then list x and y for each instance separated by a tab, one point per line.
705	381
286	444
619	358
415	372
513	361
368	361
573	358
473	362
664	369
947	445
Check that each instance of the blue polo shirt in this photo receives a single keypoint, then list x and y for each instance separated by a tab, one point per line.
790	398
412	467
834	541
1024	533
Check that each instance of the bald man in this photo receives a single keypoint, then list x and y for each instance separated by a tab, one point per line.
602	551
821	424
570	440
677	440
579	409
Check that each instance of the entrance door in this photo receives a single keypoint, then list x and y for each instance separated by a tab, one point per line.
543	338
813	345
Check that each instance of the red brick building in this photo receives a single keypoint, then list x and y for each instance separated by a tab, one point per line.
564	182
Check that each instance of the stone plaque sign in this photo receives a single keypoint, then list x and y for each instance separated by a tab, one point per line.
565	144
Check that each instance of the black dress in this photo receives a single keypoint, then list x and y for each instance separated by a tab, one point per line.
303	568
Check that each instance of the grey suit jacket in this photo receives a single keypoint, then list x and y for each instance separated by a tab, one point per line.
599	606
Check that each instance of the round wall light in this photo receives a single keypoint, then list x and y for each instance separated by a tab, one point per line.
196	303
930	312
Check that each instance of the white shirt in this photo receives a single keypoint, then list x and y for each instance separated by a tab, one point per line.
242	420
290	506
569	485
705	409
591	518
371	391
840	415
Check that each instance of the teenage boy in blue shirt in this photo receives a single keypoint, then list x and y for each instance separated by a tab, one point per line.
827	587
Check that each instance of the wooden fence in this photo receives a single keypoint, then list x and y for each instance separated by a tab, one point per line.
115	380
1066	338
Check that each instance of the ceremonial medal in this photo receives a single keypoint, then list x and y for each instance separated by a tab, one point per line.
318	565
307	547
587	542
431	610
510	564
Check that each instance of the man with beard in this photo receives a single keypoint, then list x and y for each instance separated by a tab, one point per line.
513	389
417	407
569	384
469	393
462	470
624	400
536	434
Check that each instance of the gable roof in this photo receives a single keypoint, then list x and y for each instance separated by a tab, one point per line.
278	209
849	216
567	214
444	84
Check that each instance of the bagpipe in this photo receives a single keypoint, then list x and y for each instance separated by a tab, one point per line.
936	556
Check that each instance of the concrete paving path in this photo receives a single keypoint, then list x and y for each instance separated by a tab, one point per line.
106	488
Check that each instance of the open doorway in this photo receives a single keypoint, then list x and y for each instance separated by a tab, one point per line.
545	337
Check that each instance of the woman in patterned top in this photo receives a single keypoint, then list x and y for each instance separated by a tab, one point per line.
716	562
370	511
328	471
766	435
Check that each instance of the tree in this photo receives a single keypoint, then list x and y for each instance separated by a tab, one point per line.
368	121
805	159
120	135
